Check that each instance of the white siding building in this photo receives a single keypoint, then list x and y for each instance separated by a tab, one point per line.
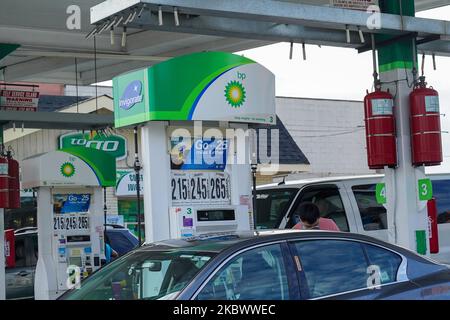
330	133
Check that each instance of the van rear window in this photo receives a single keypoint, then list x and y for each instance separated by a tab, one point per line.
271	206
373	215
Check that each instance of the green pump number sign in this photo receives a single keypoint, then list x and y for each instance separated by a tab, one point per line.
380	192
425	189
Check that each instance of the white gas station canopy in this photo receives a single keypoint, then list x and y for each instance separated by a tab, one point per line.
48	49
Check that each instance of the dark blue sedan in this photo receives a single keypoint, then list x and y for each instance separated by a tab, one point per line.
269	265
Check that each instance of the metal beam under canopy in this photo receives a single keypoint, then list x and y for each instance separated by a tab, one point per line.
269	20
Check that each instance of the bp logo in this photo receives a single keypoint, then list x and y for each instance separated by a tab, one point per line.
67	169
235	94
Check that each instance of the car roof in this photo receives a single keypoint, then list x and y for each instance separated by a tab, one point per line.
297	183
302	182
26	230
218	242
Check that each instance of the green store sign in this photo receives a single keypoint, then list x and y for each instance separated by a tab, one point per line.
114	145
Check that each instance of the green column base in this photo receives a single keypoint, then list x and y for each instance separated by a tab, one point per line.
421	242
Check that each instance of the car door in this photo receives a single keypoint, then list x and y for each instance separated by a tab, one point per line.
335	268
332	201
119	241
20	280
263	272
370	217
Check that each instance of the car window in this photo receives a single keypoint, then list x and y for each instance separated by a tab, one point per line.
271	206
387	261
329	202
257	274
120	242
332	266
373	215
144	274
441	191
20	252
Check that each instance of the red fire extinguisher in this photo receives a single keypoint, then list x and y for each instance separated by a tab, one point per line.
433	226
380	129
4	182
14	182
425	125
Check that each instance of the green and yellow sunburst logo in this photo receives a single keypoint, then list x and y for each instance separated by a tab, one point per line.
67	169
235	94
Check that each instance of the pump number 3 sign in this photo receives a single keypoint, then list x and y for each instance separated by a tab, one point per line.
189	188
425	189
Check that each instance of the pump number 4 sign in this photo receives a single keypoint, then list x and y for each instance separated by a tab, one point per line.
380	193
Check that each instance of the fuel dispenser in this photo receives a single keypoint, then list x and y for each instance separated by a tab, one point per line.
69	215
195	181
380	129
425	125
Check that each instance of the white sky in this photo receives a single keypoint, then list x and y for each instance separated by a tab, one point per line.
337	73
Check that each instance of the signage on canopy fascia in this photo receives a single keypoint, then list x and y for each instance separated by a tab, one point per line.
362	5
13	99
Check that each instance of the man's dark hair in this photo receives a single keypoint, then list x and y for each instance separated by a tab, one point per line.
308	212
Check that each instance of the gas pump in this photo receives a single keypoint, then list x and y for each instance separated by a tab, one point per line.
197	176
69	215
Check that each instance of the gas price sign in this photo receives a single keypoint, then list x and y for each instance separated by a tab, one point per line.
71	222
191	188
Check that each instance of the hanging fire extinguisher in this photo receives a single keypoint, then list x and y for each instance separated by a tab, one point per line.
14	182
425	125
4	182
433	226
380	129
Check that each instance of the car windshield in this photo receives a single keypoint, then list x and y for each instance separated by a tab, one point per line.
143	274
271	206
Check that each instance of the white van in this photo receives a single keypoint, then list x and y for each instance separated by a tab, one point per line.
350	202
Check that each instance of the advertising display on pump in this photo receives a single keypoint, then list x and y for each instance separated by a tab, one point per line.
70	215
200	184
